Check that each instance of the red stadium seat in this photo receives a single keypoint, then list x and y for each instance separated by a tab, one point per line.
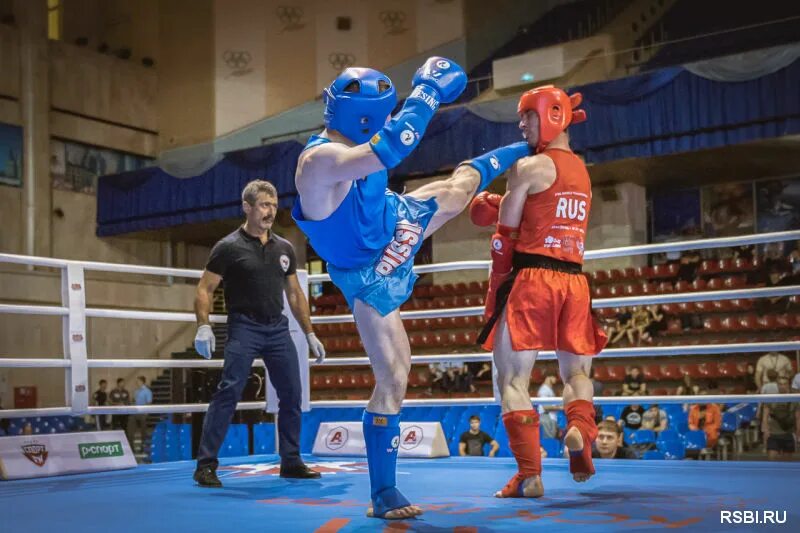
316	381
461	288
661	391
651	372
748	321
703	307
726	265
742	305
709	369
629	273
712	324
708	267
449	289
664	287
616	373
632	289
768	322
603	291
682	286
644	273
742	265
474	287
674	327
691	369
600	372
671	371
735	282
785	321
715	284
599	276
698	285
729	324
615	274
727	369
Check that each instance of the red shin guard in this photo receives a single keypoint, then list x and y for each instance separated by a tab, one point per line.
522	428
580	414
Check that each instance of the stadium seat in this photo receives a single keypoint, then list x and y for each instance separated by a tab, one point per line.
651	372
644	273
616	373
715	284
694	440
708	267
709	369
691	369
699	285
672	450
650	455
643	436
671	371
599	276
600	373
669	435
730	422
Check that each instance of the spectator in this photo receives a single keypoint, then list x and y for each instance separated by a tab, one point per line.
142	396
750	385
466	379
707	418
770	385
773	360
687	388
472	441
634	384
437	376
621	325
657	323
631	417
743	252
775	278
689	263
100	399
480	371
640	322
780	425
796	383
609	443
655	419
119	396
547	414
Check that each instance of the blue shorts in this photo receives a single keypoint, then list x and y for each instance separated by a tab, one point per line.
387	281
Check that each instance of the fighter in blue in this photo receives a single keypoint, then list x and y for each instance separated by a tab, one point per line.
369	235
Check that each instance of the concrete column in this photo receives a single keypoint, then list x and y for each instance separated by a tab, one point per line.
35	105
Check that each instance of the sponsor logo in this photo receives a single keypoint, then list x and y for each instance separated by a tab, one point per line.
336	438
395	443
393	22
290	17
494	162
380	421
285	262
571	208
411	437
35	452
443	64
238	61
752	517
552	242
341	60
580	246
406	236
407	137
497	244
428	99
99	450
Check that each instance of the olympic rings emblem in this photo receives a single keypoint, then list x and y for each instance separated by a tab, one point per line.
393	22
341	60
290	17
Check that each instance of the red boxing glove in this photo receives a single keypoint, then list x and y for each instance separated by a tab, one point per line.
484	209
502	257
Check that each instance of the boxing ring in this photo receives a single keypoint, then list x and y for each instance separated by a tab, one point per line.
455	493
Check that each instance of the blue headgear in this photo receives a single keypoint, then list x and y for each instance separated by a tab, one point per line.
358	114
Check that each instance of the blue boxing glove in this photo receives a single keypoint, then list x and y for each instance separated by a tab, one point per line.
493	163
438	80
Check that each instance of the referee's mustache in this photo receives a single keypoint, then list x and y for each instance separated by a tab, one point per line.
268	219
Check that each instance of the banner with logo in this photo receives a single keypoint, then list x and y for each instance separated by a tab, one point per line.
417	439
64	453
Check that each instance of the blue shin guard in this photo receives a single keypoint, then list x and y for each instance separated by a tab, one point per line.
382	438
493	163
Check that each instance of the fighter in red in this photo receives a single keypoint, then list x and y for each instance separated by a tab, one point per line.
538	298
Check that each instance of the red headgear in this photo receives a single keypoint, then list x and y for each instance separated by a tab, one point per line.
556	111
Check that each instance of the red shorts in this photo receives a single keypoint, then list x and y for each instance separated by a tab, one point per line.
550	310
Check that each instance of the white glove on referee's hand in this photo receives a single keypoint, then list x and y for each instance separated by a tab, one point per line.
204	341
316	347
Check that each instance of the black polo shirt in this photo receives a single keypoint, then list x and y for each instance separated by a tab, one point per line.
253	274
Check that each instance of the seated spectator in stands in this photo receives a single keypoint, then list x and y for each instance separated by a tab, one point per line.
466	378
689	263
775	361
472	441
743	252
480	371
773	260
655	419
776	304
640	322
750	385
547	413
623	323
634	384
708	418
796	383
687	388
658	322
437	377
781	426
770	385
609	443
631	417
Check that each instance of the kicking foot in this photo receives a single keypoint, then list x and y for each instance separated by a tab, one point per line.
398	514
519	487
574	443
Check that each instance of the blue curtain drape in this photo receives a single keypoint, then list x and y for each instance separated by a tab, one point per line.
663	112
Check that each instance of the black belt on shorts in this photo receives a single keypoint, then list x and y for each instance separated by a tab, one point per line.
519	262
257	316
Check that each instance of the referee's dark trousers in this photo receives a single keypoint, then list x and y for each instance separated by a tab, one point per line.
248	339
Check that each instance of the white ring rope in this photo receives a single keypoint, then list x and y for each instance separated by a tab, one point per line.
544	355
251	406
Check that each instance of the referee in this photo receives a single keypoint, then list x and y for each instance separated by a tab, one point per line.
257	266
